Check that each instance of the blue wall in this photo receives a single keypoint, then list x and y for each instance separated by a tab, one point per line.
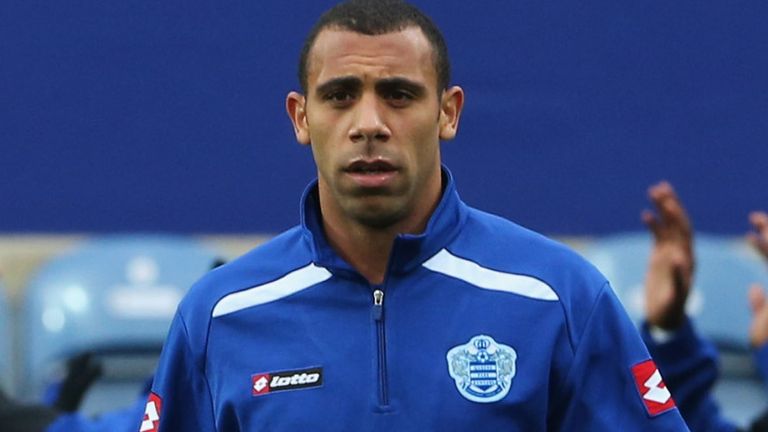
168	116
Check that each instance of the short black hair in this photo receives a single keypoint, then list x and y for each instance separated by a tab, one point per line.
377	17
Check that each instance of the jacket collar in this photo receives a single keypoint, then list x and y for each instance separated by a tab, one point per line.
408	251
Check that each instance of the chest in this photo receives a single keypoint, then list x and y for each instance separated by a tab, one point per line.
432	354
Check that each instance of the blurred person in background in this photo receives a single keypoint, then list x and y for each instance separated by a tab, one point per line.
687	361
62	415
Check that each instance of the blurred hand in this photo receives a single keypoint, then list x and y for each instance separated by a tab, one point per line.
758	331
759	239
671	264
82	371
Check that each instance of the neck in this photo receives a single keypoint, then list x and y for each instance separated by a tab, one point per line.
367	248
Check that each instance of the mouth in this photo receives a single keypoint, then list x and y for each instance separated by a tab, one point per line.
373	167
377	173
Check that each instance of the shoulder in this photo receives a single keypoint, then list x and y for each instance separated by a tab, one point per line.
498	244
506	246
269	261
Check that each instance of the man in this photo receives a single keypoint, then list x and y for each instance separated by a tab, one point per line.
394	306
689	362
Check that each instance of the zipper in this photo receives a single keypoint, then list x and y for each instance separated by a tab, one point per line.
377	314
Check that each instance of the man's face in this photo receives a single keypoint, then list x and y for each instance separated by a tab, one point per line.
374	120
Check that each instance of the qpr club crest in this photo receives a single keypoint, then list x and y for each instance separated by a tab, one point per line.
482	369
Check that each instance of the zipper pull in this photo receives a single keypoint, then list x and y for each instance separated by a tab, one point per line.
378	305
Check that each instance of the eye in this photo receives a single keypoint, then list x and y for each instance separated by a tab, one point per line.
339	97
399	97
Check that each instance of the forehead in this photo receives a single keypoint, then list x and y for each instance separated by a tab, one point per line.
406	53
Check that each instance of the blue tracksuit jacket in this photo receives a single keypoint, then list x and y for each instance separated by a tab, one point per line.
480	324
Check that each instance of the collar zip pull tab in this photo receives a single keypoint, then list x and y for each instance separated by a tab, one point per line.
378	305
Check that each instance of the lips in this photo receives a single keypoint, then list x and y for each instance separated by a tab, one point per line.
371	173
370	167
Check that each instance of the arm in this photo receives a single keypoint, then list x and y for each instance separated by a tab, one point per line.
82	371
180	399
24	418
688	363
612	383
671	264
689	366
758	332
126	419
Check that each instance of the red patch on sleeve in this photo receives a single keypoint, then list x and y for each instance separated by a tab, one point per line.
653	392
151	421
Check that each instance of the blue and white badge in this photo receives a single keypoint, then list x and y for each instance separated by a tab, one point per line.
482	369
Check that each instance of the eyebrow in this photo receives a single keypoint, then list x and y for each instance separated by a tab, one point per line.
353	83
349	83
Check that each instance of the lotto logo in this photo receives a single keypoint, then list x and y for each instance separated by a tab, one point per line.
151	421
260	384
654	393
270	382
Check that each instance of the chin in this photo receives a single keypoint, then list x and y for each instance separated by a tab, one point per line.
378	217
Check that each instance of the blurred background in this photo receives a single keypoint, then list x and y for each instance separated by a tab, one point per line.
164	121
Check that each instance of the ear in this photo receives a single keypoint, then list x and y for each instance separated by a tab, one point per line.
295	105
451	104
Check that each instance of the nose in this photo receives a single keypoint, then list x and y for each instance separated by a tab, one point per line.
369	122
